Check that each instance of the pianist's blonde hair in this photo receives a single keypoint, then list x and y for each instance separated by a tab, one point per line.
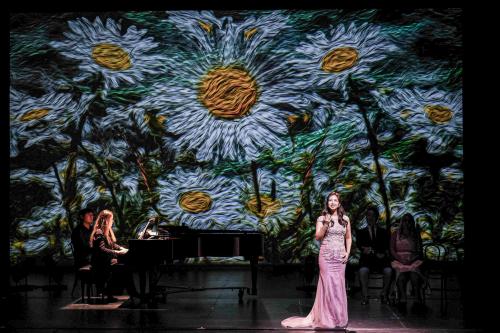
100	224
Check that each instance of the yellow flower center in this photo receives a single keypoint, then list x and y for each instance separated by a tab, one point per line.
425	235
195	201
438	114
405	113
34	114
111	56
228	92
249	33
339	59
154	119
268	206
52	240
161	119
383	216
349	185
383	168
205	26
292	119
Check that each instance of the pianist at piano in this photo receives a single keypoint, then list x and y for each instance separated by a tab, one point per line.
106	267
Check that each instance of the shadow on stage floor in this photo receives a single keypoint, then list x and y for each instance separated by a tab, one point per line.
39	310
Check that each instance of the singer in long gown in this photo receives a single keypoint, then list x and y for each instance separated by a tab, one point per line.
330	305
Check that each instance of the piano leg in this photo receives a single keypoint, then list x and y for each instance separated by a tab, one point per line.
152	285
253	266
148	276
142	284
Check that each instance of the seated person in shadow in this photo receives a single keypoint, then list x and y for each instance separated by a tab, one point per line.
406	250
105	254
80	237
373	243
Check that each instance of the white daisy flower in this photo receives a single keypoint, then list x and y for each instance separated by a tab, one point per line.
114	149
340	129
433	114
345	128
47	178
117	150
398	207
392	169
149	122
451	174
107	134
199	200
392	174
344	136
328	179
116	116
103	48
224	100
330	59
407	204
36	119
328	112
36	246
320	181
279	201
131	183
453	232
343	179
335	183
85	187
40	216
125	120
425	224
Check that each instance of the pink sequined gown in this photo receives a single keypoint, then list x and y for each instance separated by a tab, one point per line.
330	305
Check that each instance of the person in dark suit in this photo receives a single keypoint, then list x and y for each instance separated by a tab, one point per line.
373	242
80	237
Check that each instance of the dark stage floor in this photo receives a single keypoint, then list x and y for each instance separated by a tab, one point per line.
220	310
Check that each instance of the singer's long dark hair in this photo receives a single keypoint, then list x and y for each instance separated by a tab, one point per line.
407	228
340	209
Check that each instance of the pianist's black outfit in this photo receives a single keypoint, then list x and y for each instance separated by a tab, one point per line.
105	273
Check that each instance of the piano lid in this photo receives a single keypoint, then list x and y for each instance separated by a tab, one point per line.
157	229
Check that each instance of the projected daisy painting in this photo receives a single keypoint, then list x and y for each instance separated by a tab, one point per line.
235	120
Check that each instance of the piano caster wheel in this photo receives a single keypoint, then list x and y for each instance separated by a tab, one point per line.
240	294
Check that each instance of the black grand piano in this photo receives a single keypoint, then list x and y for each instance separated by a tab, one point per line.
158	244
